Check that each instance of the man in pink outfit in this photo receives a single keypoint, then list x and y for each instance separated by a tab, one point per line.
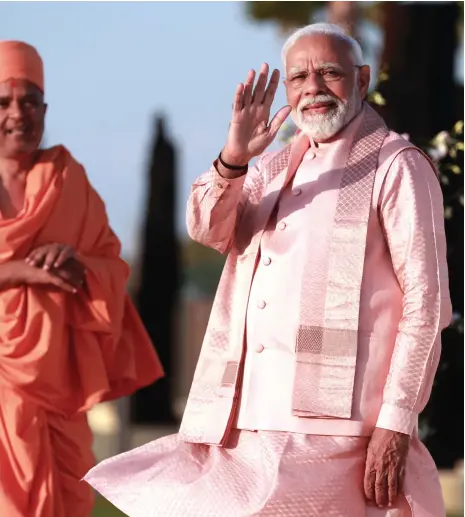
324	337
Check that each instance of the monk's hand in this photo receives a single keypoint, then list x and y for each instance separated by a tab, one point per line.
18	272
72	271
384	468
60	260
50	256
250	131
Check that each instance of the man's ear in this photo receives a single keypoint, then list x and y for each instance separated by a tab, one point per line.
363	80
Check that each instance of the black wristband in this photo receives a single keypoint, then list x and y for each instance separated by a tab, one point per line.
232	167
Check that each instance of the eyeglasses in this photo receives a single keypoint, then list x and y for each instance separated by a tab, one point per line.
326	74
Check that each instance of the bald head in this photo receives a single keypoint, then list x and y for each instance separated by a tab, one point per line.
21	61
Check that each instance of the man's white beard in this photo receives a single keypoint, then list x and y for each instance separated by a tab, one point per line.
323	126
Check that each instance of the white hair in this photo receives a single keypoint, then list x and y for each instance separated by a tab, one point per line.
330	30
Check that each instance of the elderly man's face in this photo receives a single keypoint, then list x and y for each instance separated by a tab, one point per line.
324	87
22	114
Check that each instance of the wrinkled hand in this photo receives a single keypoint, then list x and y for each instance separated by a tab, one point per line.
249	132
384	469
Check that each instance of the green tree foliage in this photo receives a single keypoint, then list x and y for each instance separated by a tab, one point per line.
286	14
442	421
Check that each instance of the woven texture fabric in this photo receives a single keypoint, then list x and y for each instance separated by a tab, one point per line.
265	474
326	355
399	311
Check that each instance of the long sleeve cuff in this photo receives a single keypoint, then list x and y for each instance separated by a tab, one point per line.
219	183
397	419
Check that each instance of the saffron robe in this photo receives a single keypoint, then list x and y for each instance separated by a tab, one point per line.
62	353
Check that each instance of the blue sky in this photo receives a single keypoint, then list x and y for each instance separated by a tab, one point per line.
109	66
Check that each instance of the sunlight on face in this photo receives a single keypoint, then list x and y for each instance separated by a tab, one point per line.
323	126
322	85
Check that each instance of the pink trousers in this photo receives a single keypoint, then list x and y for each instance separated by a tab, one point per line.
259	474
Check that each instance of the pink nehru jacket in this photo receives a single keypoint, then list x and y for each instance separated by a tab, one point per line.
404	299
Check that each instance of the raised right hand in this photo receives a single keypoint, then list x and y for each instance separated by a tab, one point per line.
249	132
18	272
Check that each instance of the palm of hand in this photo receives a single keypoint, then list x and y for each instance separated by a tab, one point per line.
250	133
251	129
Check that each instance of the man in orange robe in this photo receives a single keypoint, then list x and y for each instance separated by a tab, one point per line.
69	335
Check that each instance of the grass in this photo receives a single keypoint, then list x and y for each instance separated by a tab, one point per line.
105	509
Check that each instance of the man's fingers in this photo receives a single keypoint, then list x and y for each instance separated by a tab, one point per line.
58	282
66	277
393	488
278	119
69	277
386	454
248	86
238	103
50	255
35	258
259	92
381	489
272	87
43	277
400	479
65	254
50	258
369	485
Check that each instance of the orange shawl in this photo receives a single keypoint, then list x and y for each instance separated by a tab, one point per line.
62	351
